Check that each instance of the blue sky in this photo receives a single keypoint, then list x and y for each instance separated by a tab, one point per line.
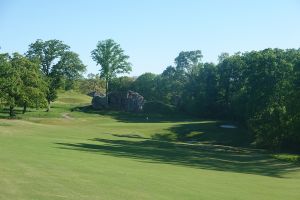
152	32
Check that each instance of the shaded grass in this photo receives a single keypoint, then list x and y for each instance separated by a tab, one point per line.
126	117
210	157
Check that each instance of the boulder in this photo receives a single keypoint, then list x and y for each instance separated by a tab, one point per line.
134	102
99	102
117	100
129	101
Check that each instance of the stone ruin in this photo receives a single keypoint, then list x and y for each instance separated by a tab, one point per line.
129	101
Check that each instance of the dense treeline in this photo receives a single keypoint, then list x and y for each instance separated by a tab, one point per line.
259	89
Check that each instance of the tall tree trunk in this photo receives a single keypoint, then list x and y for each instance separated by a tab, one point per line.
11	111
106	90
24	108
48	108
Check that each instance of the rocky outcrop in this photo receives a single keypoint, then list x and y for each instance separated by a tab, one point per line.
99	102
129	101
135	102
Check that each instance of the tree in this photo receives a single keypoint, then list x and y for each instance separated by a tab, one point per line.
268	87
230	72
121	84
170	85
47	53
146	85
56	63
201	91
33	88
10	83
187	59
110	56
93	83
69	67
21	82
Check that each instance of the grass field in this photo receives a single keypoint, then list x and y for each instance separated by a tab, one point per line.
81	154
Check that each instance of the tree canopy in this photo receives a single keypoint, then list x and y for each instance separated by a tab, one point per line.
57	63
112	60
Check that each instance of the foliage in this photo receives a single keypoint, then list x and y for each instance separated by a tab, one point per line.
93	83
70	67
186	60
146	85
200	92
33	88
57	63
121	84
21	83
110	56
258	89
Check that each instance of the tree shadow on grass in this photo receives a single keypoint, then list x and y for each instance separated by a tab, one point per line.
127	117
4	113
202	156
209	132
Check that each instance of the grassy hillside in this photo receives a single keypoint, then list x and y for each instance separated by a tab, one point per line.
72	97
82	154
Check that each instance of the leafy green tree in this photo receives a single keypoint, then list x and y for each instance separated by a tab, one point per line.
230	72
70	68
293	107
21	82
110	56
200	97
186	60
121	84
93	83
56	63
10	83
170	85
269	82
146	85
47	53
33	88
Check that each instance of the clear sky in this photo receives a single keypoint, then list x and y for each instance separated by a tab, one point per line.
152	32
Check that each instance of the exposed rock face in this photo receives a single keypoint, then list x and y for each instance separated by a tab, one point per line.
99	102
117	100
93	94
135	102
129	101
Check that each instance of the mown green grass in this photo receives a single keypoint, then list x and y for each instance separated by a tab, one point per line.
287	157
115	155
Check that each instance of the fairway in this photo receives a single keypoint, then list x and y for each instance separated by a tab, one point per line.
79	155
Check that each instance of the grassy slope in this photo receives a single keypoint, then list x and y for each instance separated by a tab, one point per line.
119	156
